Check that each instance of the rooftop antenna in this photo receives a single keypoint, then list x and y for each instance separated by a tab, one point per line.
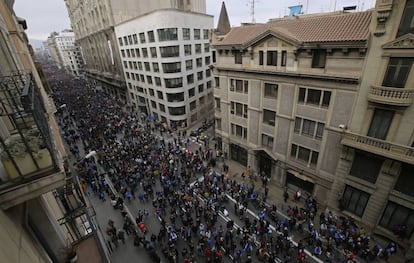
252	10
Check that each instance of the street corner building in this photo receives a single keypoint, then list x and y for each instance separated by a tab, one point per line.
323	103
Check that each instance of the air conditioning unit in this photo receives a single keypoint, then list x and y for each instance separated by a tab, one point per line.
271	122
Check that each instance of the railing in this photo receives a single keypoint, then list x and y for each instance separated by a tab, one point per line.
391	96
380	147
26	147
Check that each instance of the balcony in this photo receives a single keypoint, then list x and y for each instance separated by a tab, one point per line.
29	165
379	147
391	96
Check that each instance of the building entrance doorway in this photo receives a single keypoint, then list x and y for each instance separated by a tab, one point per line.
265	164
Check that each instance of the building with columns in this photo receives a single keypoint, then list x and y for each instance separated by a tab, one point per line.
322	103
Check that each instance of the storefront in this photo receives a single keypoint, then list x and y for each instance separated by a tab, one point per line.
297	181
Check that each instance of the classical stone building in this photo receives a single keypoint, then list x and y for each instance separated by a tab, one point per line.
323	103
93	22
65	53
35	226
166	57
374	177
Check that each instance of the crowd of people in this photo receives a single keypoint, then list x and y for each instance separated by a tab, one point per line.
188	195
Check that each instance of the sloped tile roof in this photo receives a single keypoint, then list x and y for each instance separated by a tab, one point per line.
332	27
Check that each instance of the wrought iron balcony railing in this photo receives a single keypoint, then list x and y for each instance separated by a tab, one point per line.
26	147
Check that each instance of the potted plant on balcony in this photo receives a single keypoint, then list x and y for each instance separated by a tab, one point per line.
18	151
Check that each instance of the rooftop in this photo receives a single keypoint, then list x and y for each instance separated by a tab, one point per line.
328	27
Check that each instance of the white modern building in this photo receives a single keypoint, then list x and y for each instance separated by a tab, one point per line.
165	58
65	52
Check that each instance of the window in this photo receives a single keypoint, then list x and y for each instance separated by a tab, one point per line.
238	109
407	19
130	39
167	34
405	183
193	105
187	50
197	48
147	66
354	200
200	88
155	67
199	62
269	117
142	38
272	58
298	124
319	130
175	97
170	51
149	79
284	58
153	51
305	155
133	52
267	140
318	58
238	57
397	72
162	107
395	216
366	166
217	82
186	34
205	33
308	127
137	52
206	47
122	53
261	56
157	81
196	34
239	131
270	90
380	123
189	64
217	103
174	83
208	73
134	36
200	75
120	41
239	85
190	79
151	92
191	92
175	111
214	56
207	60
202	100
144	52
209	85
314	97
151	37
172	67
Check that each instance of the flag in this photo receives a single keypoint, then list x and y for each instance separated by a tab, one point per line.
295	10
349	8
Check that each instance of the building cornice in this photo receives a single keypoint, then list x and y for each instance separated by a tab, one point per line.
324	77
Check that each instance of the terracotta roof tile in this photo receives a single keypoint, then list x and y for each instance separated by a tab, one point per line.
307	29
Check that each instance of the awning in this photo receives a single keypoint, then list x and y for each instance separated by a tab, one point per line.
300	176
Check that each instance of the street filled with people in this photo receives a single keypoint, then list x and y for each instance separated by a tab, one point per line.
205	214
